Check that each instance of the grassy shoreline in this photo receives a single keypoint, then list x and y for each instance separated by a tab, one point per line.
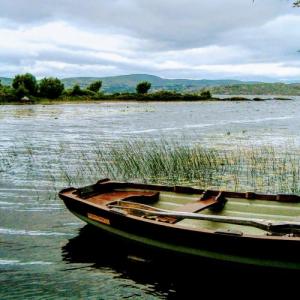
83	99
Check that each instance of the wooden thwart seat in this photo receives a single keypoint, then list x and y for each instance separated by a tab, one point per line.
207	200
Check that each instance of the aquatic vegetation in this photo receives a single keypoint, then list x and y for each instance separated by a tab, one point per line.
263	169
7	160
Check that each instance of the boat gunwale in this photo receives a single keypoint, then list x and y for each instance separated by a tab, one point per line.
282	198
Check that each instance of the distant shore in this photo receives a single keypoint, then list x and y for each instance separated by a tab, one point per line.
26	89
135	98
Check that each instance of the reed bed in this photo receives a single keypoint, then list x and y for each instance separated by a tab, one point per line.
7	160
260	169
264	169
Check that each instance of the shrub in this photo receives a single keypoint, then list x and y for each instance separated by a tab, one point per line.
205	94
21	91
95	86
76	90
143	87
7	94
26	83
165	95
125	96
51	87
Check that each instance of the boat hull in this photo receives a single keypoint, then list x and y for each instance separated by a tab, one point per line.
268	252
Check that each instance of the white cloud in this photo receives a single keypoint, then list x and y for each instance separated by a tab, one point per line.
194	39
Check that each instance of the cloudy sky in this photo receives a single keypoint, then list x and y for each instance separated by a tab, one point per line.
195	39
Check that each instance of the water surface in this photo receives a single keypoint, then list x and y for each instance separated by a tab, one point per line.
38	255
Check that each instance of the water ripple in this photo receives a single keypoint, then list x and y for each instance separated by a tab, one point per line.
9	231
17	262
203	125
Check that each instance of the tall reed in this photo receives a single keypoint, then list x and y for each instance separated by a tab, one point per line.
265	169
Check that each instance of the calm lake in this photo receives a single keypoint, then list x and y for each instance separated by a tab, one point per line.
45	252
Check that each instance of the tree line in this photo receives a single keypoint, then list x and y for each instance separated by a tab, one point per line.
26	87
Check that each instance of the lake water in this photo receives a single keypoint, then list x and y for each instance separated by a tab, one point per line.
44	252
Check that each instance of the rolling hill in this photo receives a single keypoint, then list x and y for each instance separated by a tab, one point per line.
127	83
283	89
5	81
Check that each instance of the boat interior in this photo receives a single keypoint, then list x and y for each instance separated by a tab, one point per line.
178	205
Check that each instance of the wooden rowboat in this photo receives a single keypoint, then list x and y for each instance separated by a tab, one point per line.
239	228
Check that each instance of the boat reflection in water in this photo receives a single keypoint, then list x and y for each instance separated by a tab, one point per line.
167	275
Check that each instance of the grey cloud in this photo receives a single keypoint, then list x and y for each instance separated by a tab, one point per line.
273	41
168	23
188	33
72	57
